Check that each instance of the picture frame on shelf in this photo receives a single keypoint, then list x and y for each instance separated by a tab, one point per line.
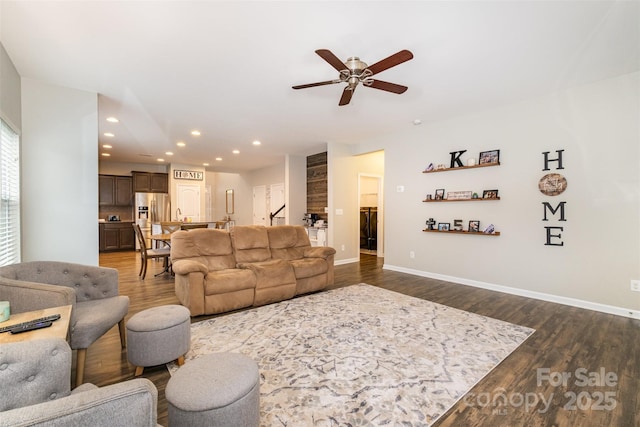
487	157
428	197
459	195
474	226
490	194
489	229
439	194
443	226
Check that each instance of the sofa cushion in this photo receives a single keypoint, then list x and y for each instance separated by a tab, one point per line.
209	246
271	273
288	241
229	280
250	243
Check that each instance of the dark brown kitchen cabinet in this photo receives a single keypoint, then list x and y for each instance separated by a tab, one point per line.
115	190
116	236
150	182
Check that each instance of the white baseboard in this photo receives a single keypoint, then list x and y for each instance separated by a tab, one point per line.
346	261
603	308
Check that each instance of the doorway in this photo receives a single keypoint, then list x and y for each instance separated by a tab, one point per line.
276	205
260	205
188	199
371	236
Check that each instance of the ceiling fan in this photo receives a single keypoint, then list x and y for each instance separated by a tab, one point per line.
354	71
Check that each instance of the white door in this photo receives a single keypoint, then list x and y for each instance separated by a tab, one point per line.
276	202
189	201
260	205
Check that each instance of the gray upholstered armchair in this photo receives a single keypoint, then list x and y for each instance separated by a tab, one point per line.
36	391
91	291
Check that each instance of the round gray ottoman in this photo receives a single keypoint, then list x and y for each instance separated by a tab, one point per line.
220	389
158	335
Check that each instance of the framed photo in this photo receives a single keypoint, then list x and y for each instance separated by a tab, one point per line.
443	226
440	194
490	194
492	156
474	226
459	195
428	197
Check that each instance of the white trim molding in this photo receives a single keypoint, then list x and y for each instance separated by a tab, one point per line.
589	305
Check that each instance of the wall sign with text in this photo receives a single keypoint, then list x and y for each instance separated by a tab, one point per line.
190	175
553	184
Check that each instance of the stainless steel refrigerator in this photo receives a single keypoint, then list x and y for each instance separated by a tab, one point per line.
151	208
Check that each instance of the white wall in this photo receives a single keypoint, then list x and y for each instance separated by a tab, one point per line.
295	188
241	187
10	102
597	126
124	168
59	173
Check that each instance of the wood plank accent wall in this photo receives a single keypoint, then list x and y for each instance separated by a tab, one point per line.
317	188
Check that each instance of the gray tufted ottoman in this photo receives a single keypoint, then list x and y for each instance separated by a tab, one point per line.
217	390
158	335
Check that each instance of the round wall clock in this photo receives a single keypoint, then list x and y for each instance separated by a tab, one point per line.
552	184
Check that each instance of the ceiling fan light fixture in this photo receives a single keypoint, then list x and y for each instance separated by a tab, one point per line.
354	71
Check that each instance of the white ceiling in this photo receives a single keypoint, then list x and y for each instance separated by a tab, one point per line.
226	67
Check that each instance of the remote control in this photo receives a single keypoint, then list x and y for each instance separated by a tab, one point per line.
25	328
51	318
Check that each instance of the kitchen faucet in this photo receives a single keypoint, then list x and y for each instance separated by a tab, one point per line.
178	213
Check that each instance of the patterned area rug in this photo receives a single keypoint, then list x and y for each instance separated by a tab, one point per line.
359	355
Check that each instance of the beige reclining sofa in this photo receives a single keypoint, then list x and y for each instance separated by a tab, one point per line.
218	271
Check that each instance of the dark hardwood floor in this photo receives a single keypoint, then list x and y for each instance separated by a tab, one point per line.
567	341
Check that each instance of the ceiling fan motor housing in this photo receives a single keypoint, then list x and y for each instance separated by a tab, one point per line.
355	65
358	72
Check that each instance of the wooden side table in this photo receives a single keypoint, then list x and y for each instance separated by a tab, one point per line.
58	329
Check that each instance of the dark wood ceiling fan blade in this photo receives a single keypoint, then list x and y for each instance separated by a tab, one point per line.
391	61
346	96
389	87
328	82
333	60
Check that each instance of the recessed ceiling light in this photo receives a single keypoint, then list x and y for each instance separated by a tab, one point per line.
195	132
181	144
236	151
169	153
107	146
106	154
218	159
256	142
161	160
112	120
205	164
417	122
109	134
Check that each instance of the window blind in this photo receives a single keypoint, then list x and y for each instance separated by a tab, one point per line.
9	195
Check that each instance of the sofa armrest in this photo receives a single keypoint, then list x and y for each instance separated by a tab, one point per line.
131	403
186	266
318	252
30	296
189	284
